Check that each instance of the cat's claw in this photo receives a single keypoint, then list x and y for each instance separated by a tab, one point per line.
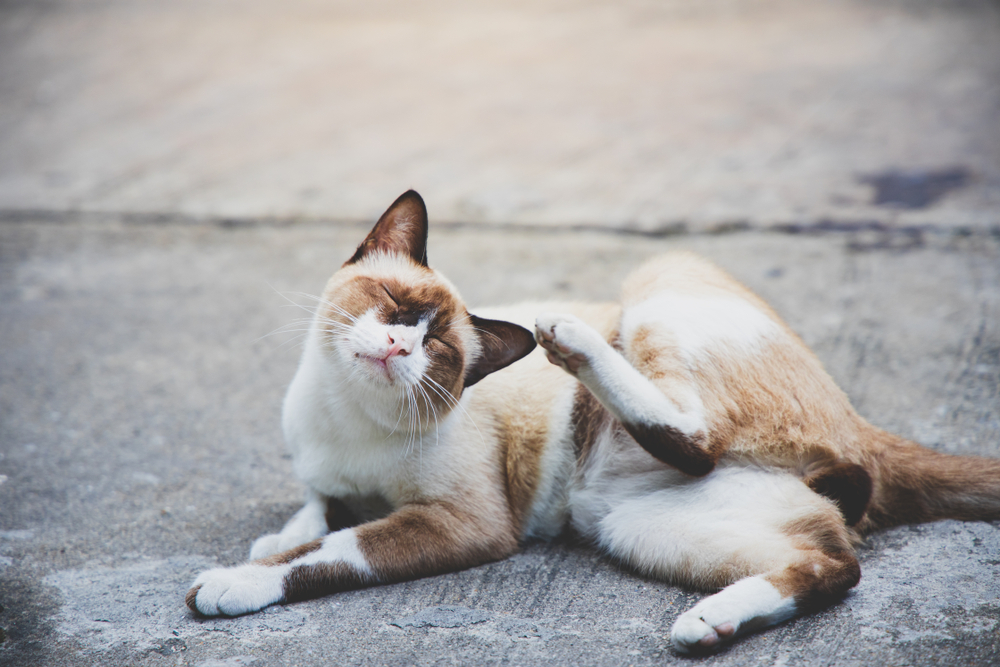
567	340
232	591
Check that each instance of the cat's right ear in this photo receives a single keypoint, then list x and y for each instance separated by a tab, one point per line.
502	344
402	229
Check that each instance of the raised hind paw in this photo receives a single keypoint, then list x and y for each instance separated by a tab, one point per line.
232	591
568	341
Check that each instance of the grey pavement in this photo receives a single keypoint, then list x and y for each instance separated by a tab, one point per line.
141	443
173	176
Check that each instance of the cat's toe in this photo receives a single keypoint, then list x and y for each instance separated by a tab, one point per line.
236	590
691	634
566	339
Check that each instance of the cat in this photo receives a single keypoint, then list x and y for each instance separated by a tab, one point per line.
686	431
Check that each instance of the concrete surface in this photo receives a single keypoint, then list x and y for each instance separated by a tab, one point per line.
170	172
141	444
650	114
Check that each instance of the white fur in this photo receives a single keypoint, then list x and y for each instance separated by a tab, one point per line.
748	604
626	392
702	324
239	590
232	591
339	547
306	525
370	339
550	505
349	432
678	527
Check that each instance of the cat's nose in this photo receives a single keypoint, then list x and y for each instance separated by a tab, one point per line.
398	345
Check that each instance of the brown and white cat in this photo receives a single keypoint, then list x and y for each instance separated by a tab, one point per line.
686	431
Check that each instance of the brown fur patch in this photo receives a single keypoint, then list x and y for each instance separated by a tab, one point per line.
406	302
846	484
306	582
190	598
432	538
914	484
823	532
291	554
687	454
818	579
521	446
589	420
825	567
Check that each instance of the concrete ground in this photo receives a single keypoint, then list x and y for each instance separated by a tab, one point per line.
172	173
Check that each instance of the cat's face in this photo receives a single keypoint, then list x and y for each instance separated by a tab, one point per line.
399	332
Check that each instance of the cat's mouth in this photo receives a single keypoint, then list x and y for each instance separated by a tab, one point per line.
380	364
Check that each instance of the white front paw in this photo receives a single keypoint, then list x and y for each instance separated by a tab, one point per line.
266	545
231	591
568	340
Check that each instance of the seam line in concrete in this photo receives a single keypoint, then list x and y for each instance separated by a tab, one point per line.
821	226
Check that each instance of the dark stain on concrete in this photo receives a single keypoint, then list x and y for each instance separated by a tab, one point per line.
915	189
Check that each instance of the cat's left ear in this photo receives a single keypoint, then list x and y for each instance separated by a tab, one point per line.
502	344
402	229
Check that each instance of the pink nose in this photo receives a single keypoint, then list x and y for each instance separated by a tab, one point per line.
397	345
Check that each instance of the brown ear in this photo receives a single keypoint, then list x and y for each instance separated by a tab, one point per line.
503	343
402	229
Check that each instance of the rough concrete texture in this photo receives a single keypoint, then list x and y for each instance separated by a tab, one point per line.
141	443
173	175
653	114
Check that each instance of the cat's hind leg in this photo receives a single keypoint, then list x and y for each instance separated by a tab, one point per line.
664	415
775	548
809	579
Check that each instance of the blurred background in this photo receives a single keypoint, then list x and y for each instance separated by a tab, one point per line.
656	115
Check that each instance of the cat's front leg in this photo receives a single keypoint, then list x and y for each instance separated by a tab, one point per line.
415	541
665	416
306	525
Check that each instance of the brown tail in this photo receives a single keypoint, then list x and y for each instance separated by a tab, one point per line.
913	484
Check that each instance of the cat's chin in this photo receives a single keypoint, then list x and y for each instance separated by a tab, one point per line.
376	368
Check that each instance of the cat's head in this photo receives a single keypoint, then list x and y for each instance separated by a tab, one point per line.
399	332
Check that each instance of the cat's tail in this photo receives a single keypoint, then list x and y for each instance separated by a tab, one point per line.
913	484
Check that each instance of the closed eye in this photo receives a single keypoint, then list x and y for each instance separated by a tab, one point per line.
389	294
430	337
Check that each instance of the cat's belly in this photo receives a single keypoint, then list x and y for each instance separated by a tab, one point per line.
624	484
